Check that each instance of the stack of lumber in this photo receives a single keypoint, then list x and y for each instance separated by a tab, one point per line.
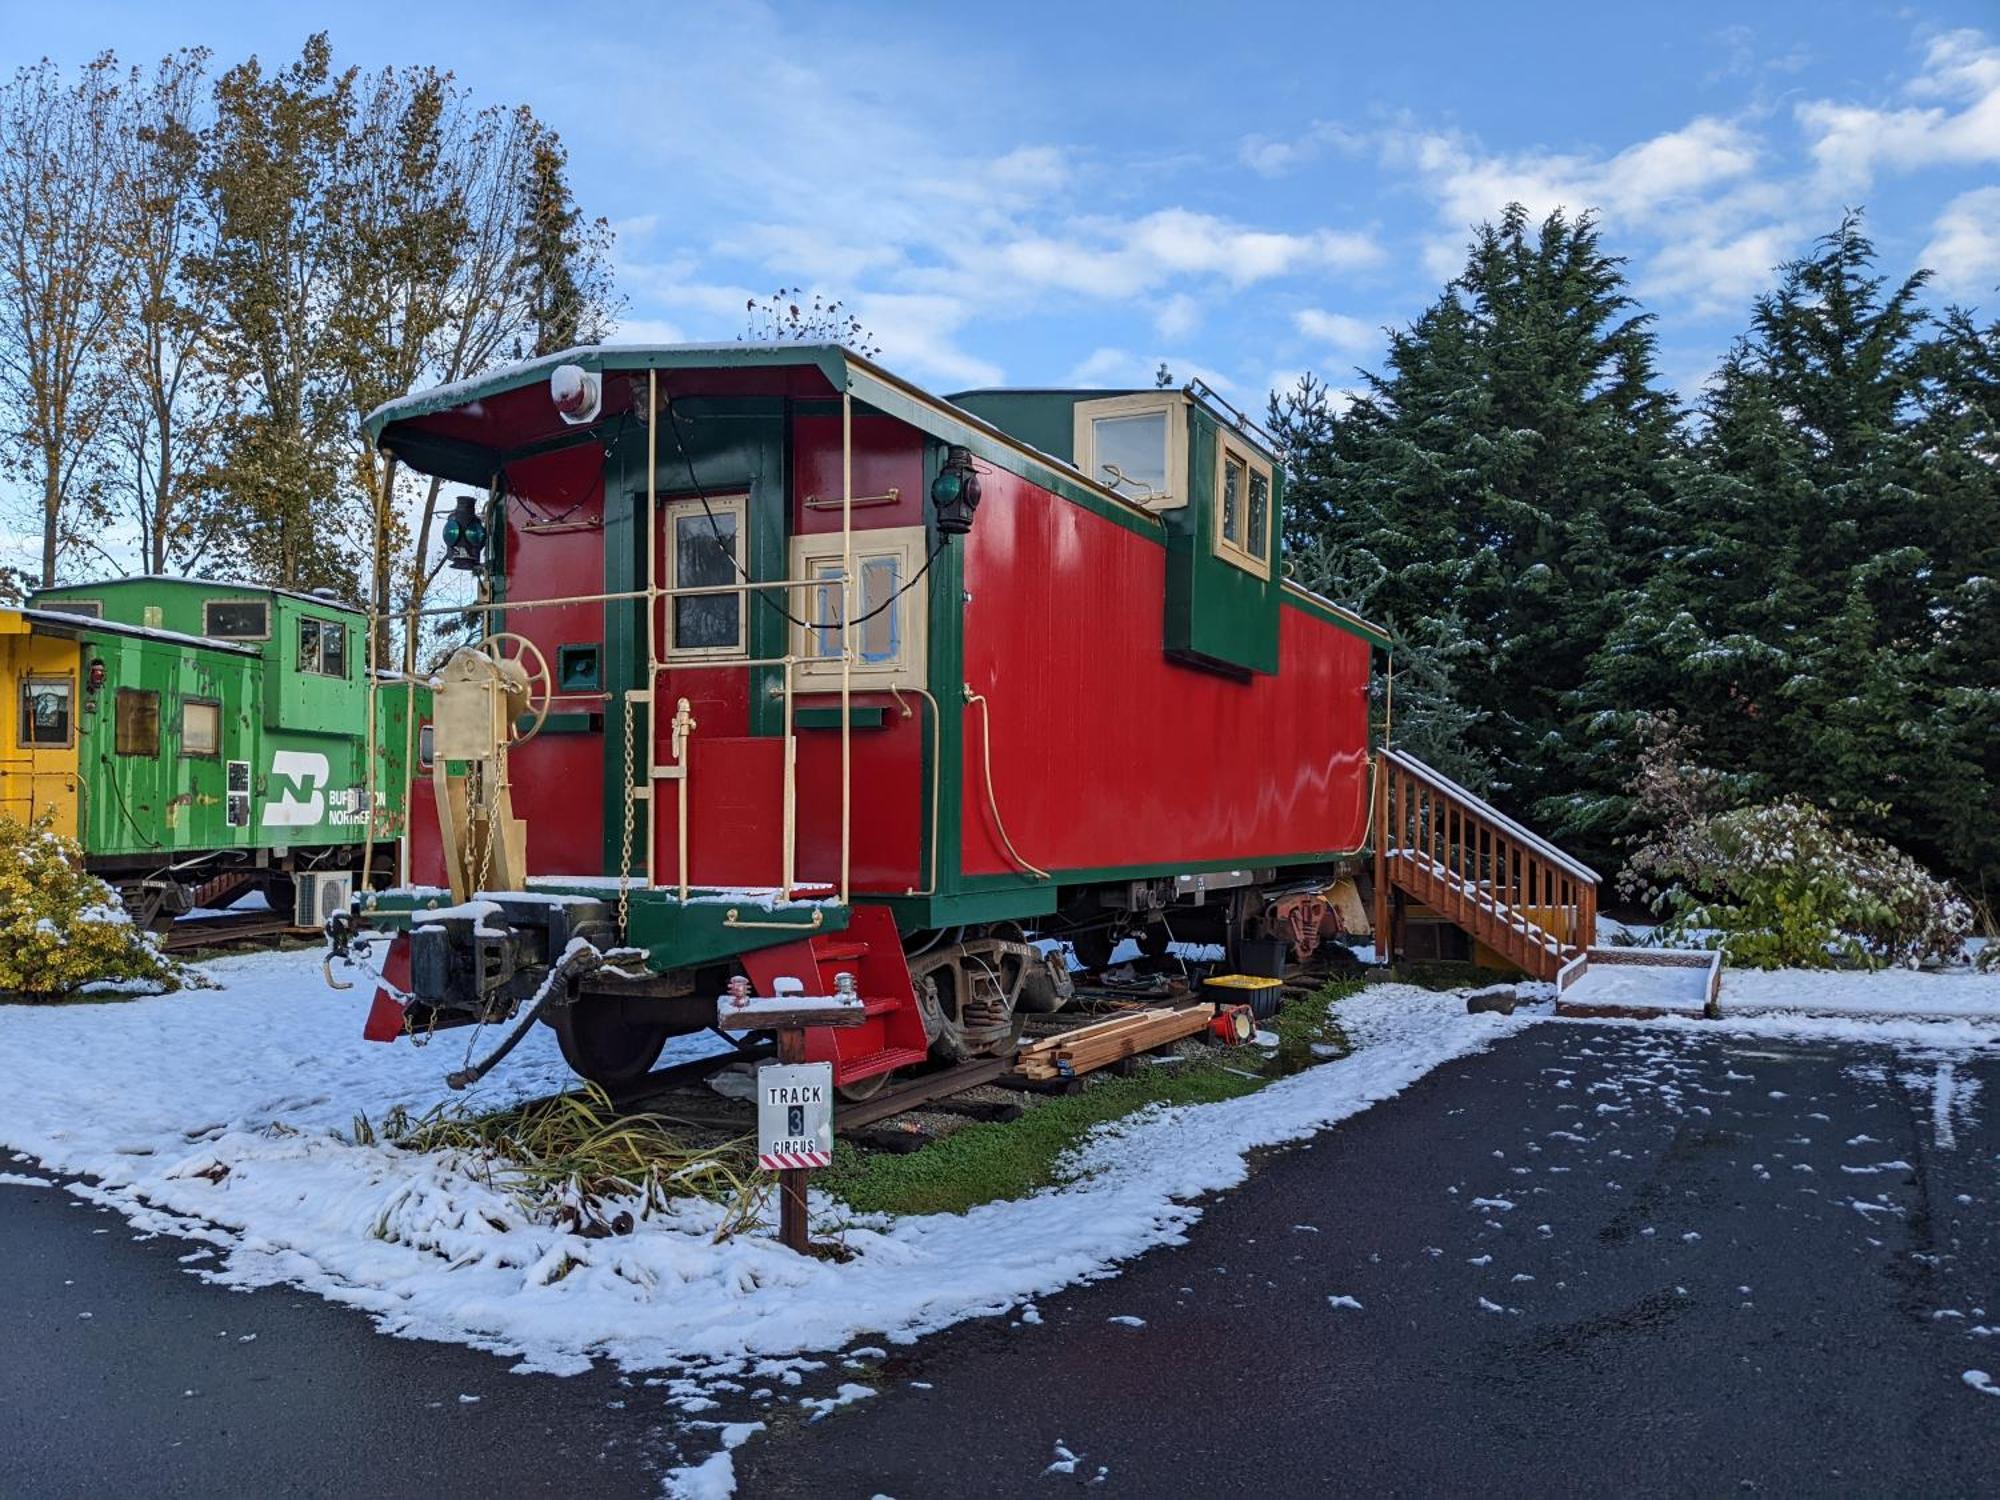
1084	1049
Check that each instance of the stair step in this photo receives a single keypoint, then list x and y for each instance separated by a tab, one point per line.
868	1064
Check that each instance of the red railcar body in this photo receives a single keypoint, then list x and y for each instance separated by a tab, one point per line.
1101	706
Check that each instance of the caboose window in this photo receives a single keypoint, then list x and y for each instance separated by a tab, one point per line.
138	722
704	549
1136	446
323	647
45	718
201	727
888	635
878	637
236	619
1243	510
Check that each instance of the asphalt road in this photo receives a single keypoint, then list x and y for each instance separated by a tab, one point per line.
121	1374
1595	1259
1732	1291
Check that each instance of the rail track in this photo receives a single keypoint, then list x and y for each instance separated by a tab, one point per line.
185	936
667	1092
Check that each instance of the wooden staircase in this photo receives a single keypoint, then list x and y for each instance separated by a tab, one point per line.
1438	844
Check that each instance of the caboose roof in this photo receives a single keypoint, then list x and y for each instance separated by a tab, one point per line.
215	587
468	430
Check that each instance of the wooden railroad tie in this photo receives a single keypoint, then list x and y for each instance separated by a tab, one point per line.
1088	1048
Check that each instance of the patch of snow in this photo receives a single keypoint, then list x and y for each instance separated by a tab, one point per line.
1128	1320
714	1478
1343	1300
248	1148
22	1179
1897	994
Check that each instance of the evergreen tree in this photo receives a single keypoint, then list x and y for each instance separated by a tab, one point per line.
1817	616
1506	478
564	257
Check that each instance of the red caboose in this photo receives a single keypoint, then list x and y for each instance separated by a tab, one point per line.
1077	699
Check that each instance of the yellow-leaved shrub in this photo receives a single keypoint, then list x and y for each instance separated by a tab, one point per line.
62	929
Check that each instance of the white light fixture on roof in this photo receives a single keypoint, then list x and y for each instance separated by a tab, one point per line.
577	394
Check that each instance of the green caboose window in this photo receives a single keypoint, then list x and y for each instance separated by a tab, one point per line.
138	722
236	619
323	647
45	712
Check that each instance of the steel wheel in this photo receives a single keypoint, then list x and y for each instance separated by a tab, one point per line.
600	1044
1093	946
862	1090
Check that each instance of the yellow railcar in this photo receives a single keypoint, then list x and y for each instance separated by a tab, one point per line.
38	753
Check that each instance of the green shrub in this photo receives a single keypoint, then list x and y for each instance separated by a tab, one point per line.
61	929
1783	886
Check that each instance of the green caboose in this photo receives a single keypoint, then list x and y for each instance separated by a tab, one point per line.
220	735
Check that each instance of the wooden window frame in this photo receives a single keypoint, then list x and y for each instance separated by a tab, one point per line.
909	545
1228	549
671	511
214	703
119	695
27	682
207	605
318	668
1145	404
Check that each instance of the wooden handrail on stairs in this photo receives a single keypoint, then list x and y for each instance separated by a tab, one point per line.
1506	886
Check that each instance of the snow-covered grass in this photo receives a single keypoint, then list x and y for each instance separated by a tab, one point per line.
225	1114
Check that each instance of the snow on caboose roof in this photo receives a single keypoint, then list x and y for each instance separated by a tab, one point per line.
228	585
80	623
469	457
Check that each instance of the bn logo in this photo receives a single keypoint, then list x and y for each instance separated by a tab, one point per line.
297	776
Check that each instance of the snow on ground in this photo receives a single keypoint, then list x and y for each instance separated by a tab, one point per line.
224	1114
1950	995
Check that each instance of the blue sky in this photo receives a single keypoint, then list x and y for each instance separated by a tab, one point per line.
1042	193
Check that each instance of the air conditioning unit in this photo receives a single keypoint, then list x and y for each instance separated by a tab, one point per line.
319	895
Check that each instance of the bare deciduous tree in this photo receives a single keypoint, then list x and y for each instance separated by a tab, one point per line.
165	422
60	281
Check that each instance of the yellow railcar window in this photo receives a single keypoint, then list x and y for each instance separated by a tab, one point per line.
138	726
201	727
45	711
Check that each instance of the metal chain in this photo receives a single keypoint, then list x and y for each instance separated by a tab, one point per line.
625	848
486	824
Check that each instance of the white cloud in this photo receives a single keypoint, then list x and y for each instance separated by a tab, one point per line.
648	331
1852	142
1176	317
1965	244
1721	273
1271	156
824	178
1336	331
1637	186
918	333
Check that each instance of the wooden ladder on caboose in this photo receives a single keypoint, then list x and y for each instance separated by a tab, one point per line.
1510	889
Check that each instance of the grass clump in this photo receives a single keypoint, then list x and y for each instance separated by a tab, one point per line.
567	1159
1010	1160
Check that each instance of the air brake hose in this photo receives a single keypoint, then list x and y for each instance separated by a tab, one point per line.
557	981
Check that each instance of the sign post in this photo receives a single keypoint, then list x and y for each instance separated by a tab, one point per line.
794	1097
